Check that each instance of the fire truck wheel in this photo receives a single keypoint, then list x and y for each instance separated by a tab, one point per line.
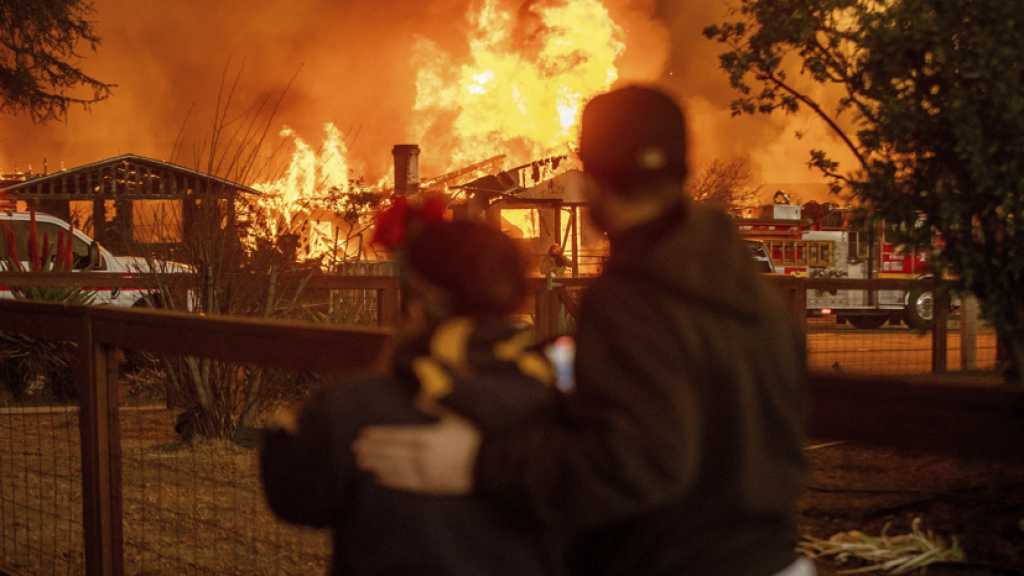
868	322
920	311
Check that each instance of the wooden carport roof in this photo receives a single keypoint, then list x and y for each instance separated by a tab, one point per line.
126	176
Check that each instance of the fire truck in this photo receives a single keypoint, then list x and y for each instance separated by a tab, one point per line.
821	241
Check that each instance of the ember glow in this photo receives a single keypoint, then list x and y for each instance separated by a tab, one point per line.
521	222
523	88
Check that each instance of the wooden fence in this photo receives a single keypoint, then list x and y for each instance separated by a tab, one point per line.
981	422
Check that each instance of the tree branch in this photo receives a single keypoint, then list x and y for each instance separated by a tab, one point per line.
771	77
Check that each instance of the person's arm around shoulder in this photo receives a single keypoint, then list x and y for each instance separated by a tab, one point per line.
627	440
302	470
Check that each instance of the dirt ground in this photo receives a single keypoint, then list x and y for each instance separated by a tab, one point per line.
198	510
853	487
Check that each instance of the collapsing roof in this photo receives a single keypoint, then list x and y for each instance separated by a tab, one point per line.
516	181
128	176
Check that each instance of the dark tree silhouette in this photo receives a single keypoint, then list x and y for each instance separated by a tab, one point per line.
39	52
931	103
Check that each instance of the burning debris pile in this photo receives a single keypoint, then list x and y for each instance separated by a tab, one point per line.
317	202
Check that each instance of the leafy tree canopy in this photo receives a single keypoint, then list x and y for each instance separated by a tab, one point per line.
932	106
39	43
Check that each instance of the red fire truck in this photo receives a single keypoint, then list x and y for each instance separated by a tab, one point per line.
819	241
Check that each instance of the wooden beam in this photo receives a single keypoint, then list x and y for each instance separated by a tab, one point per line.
49	321
575	222
107	280
280	344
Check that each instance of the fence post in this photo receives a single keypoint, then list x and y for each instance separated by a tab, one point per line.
100	429
940	328
546	308
968	332
388	306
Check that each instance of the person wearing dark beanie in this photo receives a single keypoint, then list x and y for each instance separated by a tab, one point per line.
458	346
679	450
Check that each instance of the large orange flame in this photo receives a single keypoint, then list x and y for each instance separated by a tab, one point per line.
517	98
518	94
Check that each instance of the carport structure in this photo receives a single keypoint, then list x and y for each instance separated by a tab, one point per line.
129	203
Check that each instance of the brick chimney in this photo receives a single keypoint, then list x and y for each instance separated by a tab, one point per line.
407	168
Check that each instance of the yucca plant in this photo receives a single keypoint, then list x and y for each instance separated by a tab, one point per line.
43	256
28	364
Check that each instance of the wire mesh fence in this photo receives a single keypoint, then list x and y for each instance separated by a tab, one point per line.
848	330
193	504
40	462
890	350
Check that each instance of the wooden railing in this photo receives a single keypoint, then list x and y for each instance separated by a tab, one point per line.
548	298
983	422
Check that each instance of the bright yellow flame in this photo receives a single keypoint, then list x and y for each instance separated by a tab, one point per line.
521	98
293	201
520	222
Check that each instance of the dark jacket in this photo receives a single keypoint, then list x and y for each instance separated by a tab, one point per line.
680	450
309	478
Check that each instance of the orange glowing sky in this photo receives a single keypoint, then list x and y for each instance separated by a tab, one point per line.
363	69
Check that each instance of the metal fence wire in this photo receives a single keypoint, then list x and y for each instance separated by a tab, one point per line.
40	462
184	505
195	506
892	349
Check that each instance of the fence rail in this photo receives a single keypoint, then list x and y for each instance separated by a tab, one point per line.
971	421
551	303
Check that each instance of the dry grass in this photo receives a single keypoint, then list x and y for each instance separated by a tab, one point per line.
900	554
